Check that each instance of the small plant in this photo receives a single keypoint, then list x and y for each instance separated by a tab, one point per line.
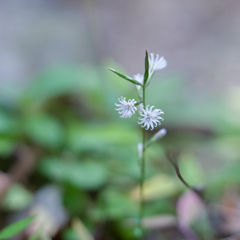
149	118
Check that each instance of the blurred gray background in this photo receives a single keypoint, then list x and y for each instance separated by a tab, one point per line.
199	39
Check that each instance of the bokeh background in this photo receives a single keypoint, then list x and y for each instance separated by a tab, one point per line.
67	156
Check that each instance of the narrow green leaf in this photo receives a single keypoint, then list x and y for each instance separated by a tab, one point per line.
15	228
126	77
149	79
146	68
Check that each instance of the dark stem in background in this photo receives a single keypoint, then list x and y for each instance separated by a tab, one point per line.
173	162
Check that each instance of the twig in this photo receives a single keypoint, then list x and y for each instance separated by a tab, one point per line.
198	191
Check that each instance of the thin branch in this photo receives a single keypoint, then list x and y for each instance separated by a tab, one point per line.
169	156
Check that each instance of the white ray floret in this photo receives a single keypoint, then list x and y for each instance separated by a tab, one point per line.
150	118
156	63
126	108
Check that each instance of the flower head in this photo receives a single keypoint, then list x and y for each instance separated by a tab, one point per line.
126	108
157	63
150	117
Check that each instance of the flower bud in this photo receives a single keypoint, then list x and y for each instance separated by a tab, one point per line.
160	134
140	150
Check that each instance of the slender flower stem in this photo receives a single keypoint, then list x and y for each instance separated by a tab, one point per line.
142	177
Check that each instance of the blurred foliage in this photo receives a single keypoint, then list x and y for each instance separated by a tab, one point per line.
17	198
67	117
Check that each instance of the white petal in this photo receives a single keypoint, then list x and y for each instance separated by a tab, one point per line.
151	108
162	63
148	125
141	122
139	77
147	109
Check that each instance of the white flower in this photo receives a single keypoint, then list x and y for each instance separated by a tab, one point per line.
150	117
126	108
157	63
139	77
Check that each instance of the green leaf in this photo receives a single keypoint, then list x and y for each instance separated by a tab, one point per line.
45	130
82	175
8	125
156	187
87	175
126	77
83	137
6	146
116	204
146	68
61	81
15	228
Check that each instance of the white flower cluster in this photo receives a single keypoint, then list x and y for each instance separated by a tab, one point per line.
150	117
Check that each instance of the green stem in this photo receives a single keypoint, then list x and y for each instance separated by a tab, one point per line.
142	177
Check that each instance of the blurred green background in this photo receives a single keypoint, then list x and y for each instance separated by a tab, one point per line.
65	153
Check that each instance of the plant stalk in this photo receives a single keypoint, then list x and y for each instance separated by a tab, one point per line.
142	176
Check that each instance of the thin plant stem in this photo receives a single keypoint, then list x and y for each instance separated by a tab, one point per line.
178	172
142	177
199	192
